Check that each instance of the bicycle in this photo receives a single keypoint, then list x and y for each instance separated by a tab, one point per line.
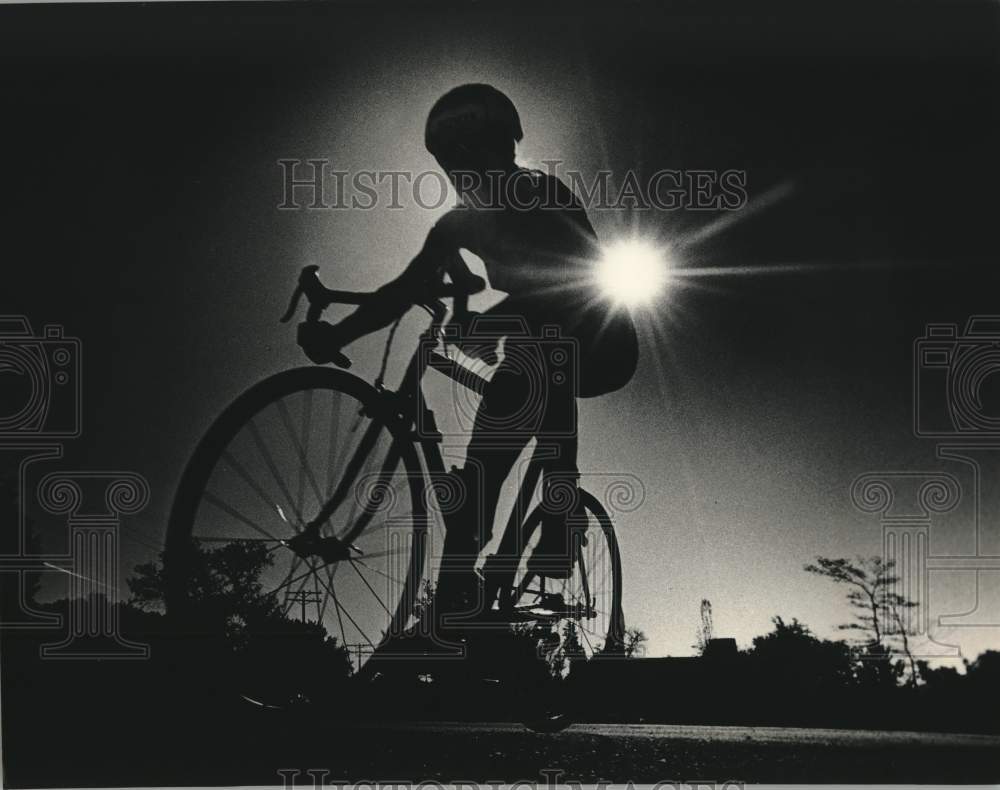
354	545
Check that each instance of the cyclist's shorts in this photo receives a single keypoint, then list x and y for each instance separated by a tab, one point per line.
605	344
609	353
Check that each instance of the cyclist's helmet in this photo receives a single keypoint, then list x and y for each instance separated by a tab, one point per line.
471	117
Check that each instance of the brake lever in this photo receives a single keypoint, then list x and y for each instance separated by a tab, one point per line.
293	305
307	283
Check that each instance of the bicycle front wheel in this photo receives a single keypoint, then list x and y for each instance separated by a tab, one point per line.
270	464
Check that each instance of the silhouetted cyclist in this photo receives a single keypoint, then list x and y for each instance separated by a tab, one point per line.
538	246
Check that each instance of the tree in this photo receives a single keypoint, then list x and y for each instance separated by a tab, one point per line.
795	657
225	578
231	620
878	612
945	679
560	648
423	607
705	628
984	673
635	643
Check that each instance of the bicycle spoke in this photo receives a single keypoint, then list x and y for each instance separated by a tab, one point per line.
358	460
394	487
333	593
583	573
337	603
306	414
365	473
400	582
376	554
296	561
587	630
286	583
335	448
290	595
346	446
316	592
307	432
306	467
370	588
330	570
269	461
372	530
354	504
213	499
252	482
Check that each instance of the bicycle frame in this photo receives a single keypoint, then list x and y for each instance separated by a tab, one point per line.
401	409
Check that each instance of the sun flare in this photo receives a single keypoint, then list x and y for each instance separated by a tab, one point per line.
632	272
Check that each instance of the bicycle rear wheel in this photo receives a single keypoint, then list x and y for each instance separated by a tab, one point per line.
287	624
574	619
590	621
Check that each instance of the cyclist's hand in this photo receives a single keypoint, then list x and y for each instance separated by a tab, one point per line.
486	351
321	342
484	348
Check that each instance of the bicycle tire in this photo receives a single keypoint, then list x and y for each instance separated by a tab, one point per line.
227	426
549	710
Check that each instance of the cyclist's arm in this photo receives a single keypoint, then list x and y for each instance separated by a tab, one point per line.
416	282
467	283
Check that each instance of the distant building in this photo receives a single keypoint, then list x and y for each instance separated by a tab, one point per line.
723	648
682	688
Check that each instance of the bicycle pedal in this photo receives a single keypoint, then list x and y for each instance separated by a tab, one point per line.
553	601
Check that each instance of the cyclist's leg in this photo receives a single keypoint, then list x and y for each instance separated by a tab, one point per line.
554	554
497	440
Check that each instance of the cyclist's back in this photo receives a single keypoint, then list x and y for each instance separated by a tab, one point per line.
538	246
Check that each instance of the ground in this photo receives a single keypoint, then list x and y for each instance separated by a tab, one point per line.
252	749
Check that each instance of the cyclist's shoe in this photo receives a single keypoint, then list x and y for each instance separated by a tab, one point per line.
555	554
553	602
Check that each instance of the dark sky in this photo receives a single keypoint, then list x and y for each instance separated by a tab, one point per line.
139	211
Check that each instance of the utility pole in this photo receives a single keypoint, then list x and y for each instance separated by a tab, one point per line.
707	631
303	597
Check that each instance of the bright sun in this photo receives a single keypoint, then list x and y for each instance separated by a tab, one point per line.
632	272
